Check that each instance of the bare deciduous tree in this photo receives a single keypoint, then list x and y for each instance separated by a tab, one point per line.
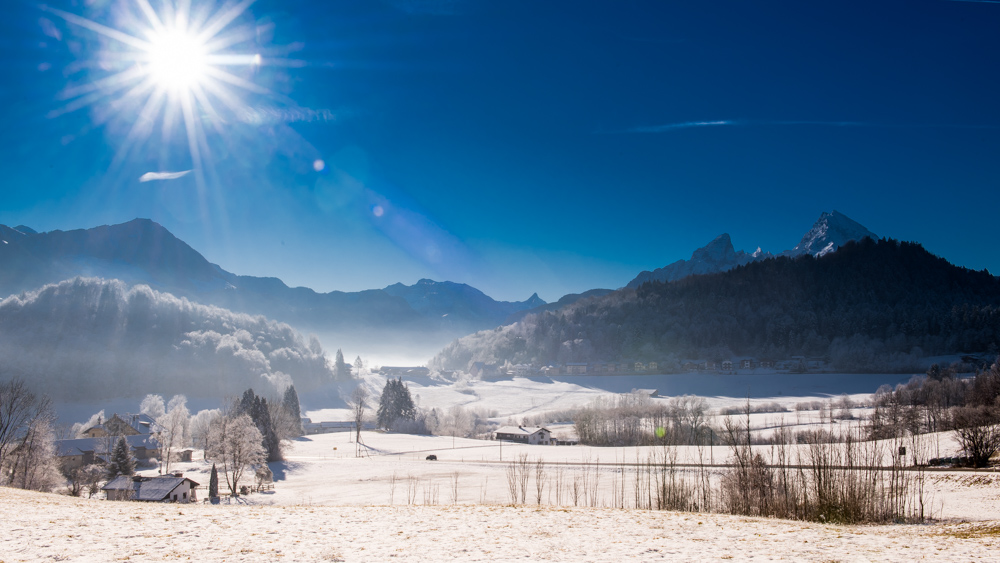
539	479
978	432
18	407
359	403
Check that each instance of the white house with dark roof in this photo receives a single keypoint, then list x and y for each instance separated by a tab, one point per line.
162	488
525	434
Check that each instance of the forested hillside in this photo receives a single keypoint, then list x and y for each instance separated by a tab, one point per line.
872	305
87	339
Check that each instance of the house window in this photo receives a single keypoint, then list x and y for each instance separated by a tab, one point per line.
175	498
185	496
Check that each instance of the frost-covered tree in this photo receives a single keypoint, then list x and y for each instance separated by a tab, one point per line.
86	479
236	443
201	424
359	366
172	432
122	461
130	338
152	405
33	463
19	406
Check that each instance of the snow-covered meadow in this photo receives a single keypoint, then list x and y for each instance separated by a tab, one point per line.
47	527
334	500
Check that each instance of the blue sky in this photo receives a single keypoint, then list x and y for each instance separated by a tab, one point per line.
520	146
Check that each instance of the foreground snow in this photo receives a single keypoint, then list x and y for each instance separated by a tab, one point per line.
52	527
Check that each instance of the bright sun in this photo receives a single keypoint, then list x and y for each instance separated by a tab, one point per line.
177	60
180	65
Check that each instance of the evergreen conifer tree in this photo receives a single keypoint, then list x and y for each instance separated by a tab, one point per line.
122	462
256	408
395	404
340	368
213	483
290	403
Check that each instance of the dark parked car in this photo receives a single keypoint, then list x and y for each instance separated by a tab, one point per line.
432	457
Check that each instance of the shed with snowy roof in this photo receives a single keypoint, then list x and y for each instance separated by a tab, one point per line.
162	488
525	435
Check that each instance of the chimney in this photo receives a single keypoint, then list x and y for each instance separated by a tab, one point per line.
178	474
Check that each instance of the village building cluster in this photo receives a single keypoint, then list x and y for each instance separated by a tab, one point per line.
137	429
795	364
139	432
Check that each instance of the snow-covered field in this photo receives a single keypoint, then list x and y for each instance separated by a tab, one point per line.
325	470
43	527
331	504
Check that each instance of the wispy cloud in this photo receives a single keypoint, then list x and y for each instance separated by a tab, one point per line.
683	125
153	176
770	122
273	115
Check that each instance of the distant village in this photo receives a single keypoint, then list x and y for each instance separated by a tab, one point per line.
483	370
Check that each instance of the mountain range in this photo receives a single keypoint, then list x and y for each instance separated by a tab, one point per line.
143	252
830	232
870	307
422	316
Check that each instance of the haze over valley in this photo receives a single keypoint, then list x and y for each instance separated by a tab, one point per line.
462	280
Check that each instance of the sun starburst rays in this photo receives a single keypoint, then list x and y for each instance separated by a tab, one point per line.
169	68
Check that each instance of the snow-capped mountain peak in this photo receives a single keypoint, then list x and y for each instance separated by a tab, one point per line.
719	250
828	233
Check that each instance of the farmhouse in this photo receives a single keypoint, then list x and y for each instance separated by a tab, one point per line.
402	371
525	435
310	427
84	451
122	425
482	369
162	488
